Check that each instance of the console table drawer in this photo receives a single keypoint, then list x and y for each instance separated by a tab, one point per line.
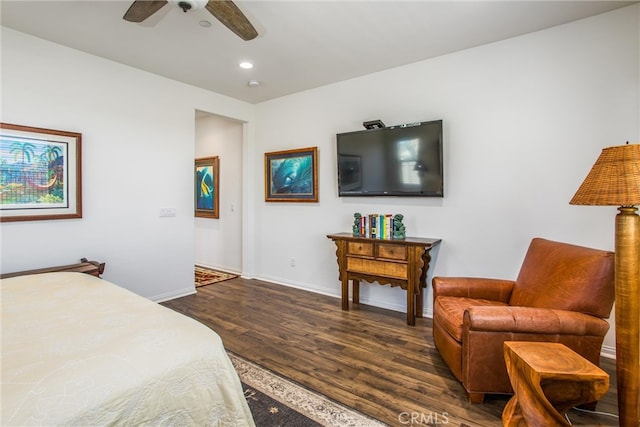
360	248
392	252
377	267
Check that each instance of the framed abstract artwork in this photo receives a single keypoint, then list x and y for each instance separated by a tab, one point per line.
292	175
206	187
40	173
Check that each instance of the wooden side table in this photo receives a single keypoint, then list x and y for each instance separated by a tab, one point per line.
548	379
395	262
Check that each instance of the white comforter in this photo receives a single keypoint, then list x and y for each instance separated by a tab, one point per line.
77	350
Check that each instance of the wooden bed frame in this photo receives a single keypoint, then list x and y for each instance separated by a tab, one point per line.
93	268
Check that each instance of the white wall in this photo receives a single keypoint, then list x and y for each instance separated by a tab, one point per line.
524	120
138	149
218	242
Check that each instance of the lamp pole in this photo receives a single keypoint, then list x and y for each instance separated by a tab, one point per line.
627	279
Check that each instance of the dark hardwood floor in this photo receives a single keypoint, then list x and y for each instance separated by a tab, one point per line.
367	358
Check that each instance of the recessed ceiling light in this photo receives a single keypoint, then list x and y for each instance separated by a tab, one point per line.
246	65
253	83
205	24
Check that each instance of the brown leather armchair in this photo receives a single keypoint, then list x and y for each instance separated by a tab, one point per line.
562	294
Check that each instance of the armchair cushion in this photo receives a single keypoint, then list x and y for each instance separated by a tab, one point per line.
452	309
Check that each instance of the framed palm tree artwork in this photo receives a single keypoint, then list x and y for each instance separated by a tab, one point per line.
291	175
206	187
40	173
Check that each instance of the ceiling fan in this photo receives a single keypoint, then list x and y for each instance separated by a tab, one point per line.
224	10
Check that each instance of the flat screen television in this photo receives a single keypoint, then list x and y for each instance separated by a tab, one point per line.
404	160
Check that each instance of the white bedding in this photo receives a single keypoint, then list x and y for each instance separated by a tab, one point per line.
78	350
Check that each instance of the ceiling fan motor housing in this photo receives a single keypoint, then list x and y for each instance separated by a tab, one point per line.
224	11
188	5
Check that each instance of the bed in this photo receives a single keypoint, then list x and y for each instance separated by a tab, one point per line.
78	350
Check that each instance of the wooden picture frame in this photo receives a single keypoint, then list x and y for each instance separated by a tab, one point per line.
207	187
40	173
291	175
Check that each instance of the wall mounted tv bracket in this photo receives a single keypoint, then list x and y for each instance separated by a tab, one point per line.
373	124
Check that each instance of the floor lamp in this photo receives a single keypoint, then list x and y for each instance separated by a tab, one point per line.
615	180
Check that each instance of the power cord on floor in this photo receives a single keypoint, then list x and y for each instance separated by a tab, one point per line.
595	412
566	415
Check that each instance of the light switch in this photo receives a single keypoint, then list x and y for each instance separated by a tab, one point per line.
167	212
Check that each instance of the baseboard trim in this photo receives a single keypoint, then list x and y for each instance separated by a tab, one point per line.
173	295
308	287
608	352
296	285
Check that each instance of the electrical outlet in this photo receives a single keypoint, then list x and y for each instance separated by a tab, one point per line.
293	262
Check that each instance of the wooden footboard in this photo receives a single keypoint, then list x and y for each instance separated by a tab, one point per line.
93	268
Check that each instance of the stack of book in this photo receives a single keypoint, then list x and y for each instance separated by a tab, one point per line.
375	226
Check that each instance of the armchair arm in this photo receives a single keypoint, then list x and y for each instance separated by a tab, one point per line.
473	287
533	320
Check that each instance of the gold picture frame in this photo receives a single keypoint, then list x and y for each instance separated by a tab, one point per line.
40	173
207	187
291	175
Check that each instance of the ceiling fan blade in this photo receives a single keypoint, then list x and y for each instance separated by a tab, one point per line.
142	9
228	13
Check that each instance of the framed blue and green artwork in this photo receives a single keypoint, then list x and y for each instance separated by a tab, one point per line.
206	187
40	174
291	175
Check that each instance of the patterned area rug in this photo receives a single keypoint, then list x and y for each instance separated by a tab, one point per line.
276	401
206	276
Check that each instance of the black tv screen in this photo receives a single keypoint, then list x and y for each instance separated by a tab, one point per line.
403	160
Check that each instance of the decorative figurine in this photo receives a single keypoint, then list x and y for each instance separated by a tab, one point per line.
356	223
398	227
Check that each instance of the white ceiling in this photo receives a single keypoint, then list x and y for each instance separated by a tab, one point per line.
301	44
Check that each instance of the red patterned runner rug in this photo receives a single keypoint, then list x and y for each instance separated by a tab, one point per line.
206	276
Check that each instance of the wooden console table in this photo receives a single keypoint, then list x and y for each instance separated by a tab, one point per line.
395	262
548	379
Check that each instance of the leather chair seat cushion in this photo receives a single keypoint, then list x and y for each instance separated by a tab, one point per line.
450	312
